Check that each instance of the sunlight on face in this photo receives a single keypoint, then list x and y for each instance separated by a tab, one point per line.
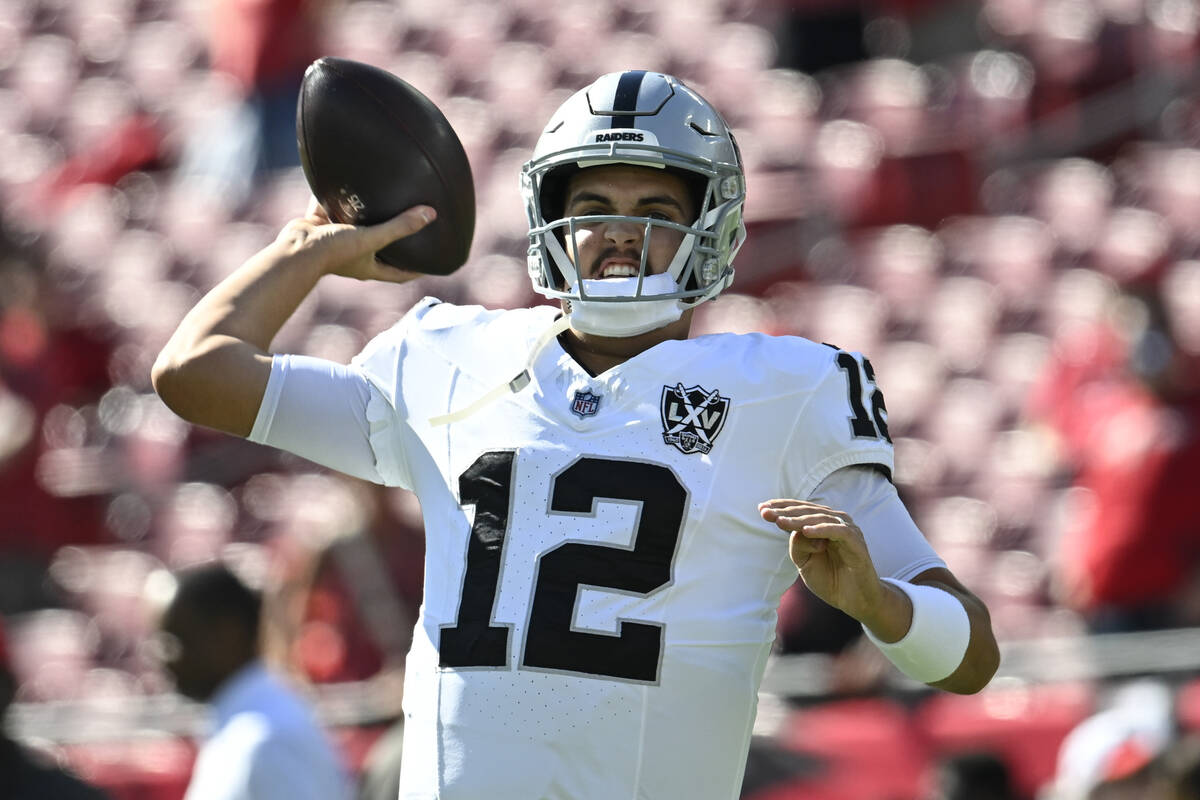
614	249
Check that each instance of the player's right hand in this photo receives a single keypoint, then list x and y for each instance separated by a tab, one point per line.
350	250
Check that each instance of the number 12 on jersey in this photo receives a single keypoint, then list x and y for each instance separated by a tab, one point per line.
864	425
550	642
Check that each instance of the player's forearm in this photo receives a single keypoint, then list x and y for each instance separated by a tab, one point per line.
982	658
214	368
891	618
254	302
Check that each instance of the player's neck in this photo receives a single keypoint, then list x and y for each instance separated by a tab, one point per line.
599	354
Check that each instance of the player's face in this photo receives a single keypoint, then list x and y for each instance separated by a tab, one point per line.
614	249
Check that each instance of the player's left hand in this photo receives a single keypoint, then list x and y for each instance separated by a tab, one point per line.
831	554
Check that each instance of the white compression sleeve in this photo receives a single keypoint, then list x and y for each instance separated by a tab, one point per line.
936	641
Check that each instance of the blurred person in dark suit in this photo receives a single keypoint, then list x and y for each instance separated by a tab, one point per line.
23	775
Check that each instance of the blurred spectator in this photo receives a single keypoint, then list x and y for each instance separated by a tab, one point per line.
1124	401
23	776
266	742
816	36
1182	767
53	369
972	776
263	46
380	778
349	563
1118	753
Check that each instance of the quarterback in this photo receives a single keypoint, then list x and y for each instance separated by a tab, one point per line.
612	509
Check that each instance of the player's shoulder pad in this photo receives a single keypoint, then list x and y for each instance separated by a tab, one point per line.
788	363
428	314
474	338
431	314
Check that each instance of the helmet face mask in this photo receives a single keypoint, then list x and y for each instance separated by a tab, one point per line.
649	120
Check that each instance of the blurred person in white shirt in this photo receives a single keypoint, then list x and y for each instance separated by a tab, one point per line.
265	742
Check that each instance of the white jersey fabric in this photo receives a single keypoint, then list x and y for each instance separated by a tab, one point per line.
600	591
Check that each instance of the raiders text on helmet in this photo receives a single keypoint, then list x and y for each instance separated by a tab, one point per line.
645	119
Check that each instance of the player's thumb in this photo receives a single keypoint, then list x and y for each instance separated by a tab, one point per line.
403	224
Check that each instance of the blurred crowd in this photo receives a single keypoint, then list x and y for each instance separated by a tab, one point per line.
997	200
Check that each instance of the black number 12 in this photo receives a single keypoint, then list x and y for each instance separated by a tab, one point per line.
551	642
871	426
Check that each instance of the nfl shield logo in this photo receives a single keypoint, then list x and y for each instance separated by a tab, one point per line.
692	417
585	403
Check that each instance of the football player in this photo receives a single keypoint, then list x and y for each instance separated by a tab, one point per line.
612	509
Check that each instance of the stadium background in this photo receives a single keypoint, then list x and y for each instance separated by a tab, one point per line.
997	200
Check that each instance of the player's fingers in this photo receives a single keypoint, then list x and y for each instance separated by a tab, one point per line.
782	502
385	272
831	530
406	223
800	548
806	523
316	211
798	514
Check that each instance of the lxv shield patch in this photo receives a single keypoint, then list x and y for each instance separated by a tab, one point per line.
692	417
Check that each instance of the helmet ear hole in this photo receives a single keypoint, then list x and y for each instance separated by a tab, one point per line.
552	194
697	188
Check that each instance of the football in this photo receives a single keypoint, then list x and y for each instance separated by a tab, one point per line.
372	146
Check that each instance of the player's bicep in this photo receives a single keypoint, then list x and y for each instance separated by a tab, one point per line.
317	409
898	548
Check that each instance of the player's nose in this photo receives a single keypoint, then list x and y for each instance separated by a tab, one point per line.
623	232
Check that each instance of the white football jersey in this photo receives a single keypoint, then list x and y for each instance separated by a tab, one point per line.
600	591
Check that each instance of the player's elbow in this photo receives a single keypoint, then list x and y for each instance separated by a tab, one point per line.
979	668
218	384
168	376
982	658
179	379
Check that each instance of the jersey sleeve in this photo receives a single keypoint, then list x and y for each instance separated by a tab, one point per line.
318	409
346	417
898	548
841	422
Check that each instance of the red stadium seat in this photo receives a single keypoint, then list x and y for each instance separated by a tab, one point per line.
870	748
1024	724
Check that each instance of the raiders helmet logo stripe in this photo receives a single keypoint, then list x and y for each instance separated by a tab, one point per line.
626	98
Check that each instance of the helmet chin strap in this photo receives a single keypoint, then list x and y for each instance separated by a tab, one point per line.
601	318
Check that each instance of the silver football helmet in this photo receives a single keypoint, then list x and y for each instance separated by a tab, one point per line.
645	119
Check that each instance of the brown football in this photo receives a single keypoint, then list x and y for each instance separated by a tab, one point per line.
371	146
